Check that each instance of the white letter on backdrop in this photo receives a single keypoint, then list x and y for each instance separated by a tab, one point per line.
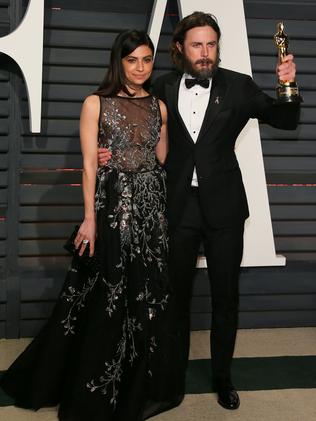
25	46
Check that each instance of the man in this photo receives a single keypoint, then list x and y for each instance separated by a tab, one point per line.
207	109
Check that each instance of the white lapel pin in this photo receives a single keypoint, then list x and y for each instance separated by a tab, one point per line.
217	100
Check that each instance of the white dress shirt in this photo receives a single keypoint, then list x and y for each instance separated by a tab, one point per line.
192	105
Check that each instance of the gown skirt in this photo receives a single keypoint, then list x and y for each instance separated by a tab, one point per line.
106	353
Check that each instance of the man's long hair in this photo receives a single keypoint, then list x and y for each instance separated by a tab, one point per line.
125	43
191	21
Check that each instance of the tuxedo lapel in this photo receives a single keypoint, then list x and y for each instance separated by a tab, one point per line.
217	96
172	95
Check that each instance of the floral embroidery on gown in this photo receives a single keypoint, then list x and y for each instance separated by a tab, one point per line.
105	352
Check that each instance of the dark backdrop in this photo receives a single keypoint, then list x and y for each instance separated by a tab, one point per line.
40	192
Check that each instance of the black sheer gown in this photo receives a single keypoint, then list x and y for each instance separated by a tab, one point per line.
106	353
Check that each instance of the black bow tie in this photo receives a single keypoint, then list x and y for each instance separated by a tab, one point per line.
205	83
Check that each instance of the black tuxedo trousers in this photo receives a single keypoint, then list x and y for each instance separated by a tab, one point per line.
223	249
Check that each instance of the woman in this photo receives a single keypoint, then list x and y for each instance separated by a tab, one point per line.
104	354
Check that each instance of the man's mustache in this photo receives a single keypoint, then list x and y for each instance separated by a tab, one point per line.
204	61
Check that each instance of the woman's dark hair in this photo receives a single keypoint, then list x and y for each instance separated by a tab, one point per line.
192	21
125	43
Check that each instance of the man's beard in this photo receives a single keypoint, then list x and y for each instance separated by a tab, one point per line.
207	73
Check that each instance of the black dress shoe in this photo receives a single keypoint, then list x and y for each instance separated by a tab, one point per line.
228	397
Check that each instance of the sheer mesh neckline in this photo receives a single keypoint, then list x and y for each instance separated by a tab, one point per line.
133	97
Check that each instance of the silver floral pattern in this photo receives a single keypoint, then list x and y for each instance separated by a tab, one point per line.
107	383
76	297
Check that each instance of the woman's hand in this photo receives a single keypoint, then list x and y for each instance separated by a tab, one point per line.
86	235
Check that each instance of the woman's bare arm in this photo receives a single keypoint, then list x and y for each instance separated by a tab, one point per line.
89	148
162	145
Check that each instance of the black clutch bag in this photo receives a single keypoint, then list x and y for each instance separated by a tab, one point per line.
85	258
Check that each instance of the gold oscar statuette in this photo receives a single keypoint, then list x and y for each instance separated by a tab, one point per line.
287	91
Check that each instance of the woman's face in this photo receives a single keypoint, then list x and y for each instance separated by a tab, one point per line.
138	66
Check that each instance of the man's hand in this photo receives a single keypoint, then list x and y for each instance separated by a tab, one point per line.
104	155
287	69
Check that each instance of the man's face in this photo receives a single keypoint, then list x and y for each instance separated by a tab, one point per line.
200	51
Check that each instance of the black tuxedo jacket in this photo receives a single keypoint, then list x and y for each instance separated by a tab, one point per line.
234	99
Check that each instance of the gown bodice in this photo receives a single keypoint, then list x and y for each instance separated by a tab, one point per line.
130	128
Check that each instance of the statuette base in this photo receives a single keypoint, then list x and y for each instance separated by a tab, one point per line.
288	92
